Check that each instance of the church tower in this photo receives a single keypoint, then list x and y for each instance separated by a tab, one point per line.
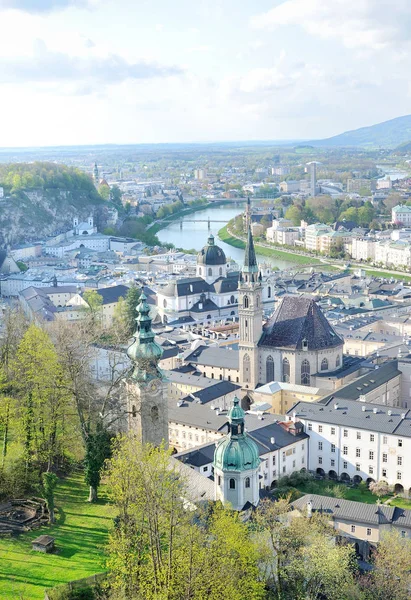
236	463
96	176
147	407
250	314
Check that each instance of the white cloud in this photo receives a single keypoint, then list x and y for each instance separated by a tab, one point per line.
43	6
83	73
357	23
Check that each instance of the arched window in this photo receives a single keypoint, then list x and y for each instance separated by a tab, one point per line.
245	302
305	372
200	271
165	303
210	272
232	300
154	413
286	370
337	362
269	369
220	271
324	364
232	484
257	301
246	368
269	291
247	482
134	410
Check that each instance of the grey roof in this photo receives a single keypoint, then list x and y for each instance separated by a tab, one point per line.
224	285
211	254
214	356
198	487
203	455
212	392
367	383
347	510
112	294
185	287
359	415
203	307
297	319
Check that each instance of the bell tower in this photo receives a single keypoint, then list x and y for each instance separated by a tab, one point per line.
250	314
147	407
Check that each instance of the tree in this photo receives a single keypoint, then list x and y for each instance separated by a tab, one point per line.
104	191
97	451
39	383
50	481
392	576
94	304
298	556
366	214
131	301
294	214
161	549
351	214
380	488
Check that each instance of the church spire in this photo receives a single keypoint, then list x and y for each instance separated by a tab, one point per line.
144	351
250	259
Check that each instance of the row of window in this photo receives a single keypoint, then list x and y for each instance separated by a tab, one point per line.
358	468
305	369
358	434
232	483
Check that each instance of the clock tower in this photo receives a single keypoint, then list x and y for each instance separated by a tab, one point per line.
147	407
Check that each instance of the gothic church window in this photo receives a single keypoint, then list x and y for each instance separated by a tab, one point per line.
245	302
269	369
247	482
232	299
324	364
286	370
232	484
269	291
305	372
337	362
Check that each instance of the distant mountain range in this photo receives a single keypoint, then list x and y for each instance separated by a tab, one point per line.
388	134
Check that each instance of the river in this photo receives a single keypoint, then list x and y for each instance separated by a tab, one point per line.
194	235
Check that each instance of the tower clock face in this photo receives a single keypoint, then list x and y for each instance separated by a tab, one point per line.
154	386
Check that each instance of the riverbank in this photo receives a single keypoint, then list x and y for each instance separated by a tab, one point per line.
156	226
226	236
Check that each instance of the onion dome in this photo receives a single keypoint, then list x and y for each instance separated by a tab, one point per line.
144	351
211	254
238	451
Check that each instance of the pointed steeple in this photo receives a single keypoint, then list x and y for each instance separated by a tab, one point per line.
250	259
144	351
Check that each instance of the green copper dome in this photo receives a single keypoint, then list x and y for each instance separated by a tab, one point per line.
237	451
144	351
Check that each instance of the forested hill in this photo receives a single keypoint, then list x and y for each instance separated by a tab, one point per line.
388	134
42	198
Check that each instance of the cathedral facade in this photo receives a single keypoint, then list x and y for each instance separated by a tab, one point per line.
296	342
210	296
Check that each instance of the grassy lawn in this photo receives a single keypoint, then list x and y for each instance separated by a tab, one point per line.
385	275
325	487
80	534
401	503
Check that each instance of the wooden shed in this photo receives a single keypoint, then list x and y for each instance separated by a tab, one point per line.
44	543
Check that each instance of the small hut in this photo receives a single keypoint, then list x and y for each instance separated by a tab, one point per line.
44	543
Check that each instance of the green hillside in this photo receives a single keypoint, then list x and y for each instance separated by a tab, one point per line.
42	198
388	134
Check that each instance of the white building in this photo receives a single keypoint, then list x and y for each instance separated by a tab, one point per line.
357	441
401	214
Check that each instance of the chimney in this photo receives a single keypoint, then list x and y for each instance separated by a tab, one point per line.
272	441
309	509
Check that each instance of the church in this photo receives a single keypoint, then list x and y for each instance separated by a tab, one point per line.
297	341
209	296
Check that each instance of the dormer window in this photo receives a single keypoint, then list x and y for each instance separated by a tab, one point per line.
305	344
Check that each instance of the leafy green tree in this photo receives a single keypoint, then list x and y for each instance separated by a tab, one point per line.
159	549
351	214
50	481
366	214
104	191
131	301
392	576
22	266
43	406
294	214
97	451
94	303
116	195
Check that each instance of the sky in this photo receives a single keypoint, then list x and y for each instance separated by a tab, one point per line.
149	71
